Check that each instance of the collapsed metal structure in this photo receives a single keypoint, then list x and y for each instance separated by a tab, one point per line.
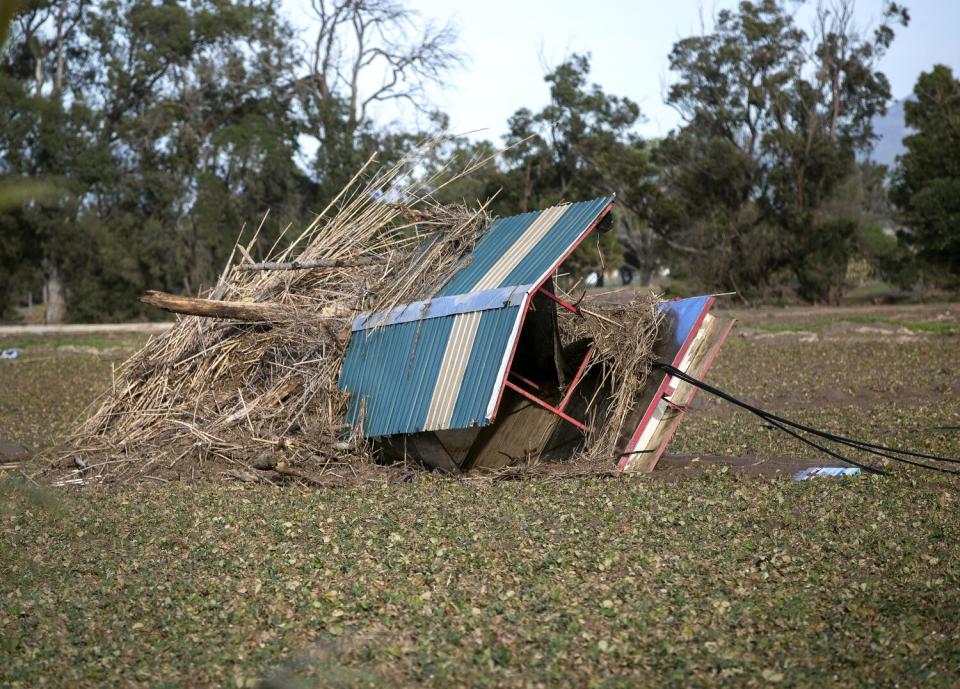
477	377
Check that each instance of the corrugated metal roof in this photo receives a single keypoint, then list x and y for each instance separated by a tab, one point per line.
431	374
525	249
440	364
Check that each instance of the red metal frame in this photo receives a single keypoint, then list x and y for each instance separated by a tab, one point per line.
553	297
566	397
524	380
576	379
549	407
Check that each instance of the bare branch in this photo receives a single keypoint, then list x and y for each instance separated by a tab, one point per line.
356	39
305	265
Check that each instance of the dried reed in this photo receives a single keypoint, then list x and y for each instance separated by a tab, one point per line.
623	337
214	397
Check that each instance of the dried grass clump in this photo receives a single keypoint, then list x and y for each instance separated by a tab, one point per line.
623	337
216	397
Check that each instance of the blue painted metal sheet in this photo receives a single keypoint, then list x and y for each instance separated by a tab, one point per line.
681	317
444	306
402	374
504	246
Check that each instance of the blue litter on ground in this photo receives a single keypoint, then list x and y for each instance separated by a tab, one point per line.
10	353
815	472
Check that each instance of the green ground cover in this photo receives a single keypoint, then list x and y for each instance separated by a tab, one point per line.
711	580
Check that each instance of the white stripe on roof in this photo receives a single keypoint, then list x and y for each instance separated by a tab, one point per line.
456	356
512	257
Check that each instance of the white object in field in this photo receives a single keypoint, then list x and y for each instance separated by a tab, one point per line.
10	353
815	472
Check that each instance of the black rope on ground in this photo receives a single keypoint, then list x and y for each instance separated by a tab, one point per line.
868	448
781	424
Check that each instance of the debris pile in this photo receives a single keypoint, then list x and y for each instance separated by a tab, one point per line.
391	329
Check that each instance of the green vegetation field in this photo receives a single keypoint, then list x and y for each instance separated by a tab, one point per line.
710	580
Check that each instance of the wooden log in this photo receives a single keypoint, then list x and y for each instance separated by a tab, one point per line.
212	308
306	265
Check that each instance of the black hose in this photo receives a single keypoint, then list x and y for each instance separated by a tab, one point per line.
781	424
866	467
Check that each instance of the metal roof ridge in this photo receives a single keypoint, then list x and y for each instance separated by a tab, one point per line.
436	307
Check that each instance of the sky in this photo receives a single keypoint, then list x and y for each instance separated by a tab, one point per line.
510	45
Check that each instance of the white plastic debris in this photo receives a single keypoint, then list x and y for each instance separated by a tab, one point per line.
10	353
817	472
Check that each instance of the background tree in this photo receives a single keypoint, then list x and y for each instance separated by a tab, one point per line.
167	126
582	144
926	187
366	57
773	119
49	134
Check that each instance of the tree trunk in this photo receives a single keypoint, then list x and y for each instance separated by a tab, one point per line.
58	79
254	312
55	293
212	308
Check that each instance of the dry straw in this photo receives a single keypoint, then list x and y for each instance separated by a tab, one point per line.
221	398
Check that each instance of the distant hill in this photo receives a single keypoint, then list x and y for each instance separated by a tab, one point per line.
890	129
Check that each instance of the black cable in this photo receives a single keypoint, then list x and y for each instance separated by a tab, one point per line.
773	422
781	424
903	459
852	442
837	455
774	419
865	447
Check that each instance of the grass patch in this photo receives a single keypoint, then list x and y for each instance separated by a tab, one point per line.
57	342
608	583
713	581
932	327
781	327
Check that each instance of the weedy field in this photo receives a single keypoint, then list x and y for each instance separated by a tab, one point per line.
712	579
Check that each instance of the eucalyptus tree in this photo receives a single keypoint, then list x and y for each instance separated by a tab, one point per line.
773	117
583	143
164	129
926	185
49	133
363	63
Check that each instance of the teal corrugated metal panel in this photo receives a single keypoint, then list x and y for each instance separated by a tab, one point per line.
480	381
504	236
393	370
557	242
503	233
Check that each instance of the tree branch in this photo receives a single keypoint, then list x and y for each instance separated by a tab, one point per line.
305	265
